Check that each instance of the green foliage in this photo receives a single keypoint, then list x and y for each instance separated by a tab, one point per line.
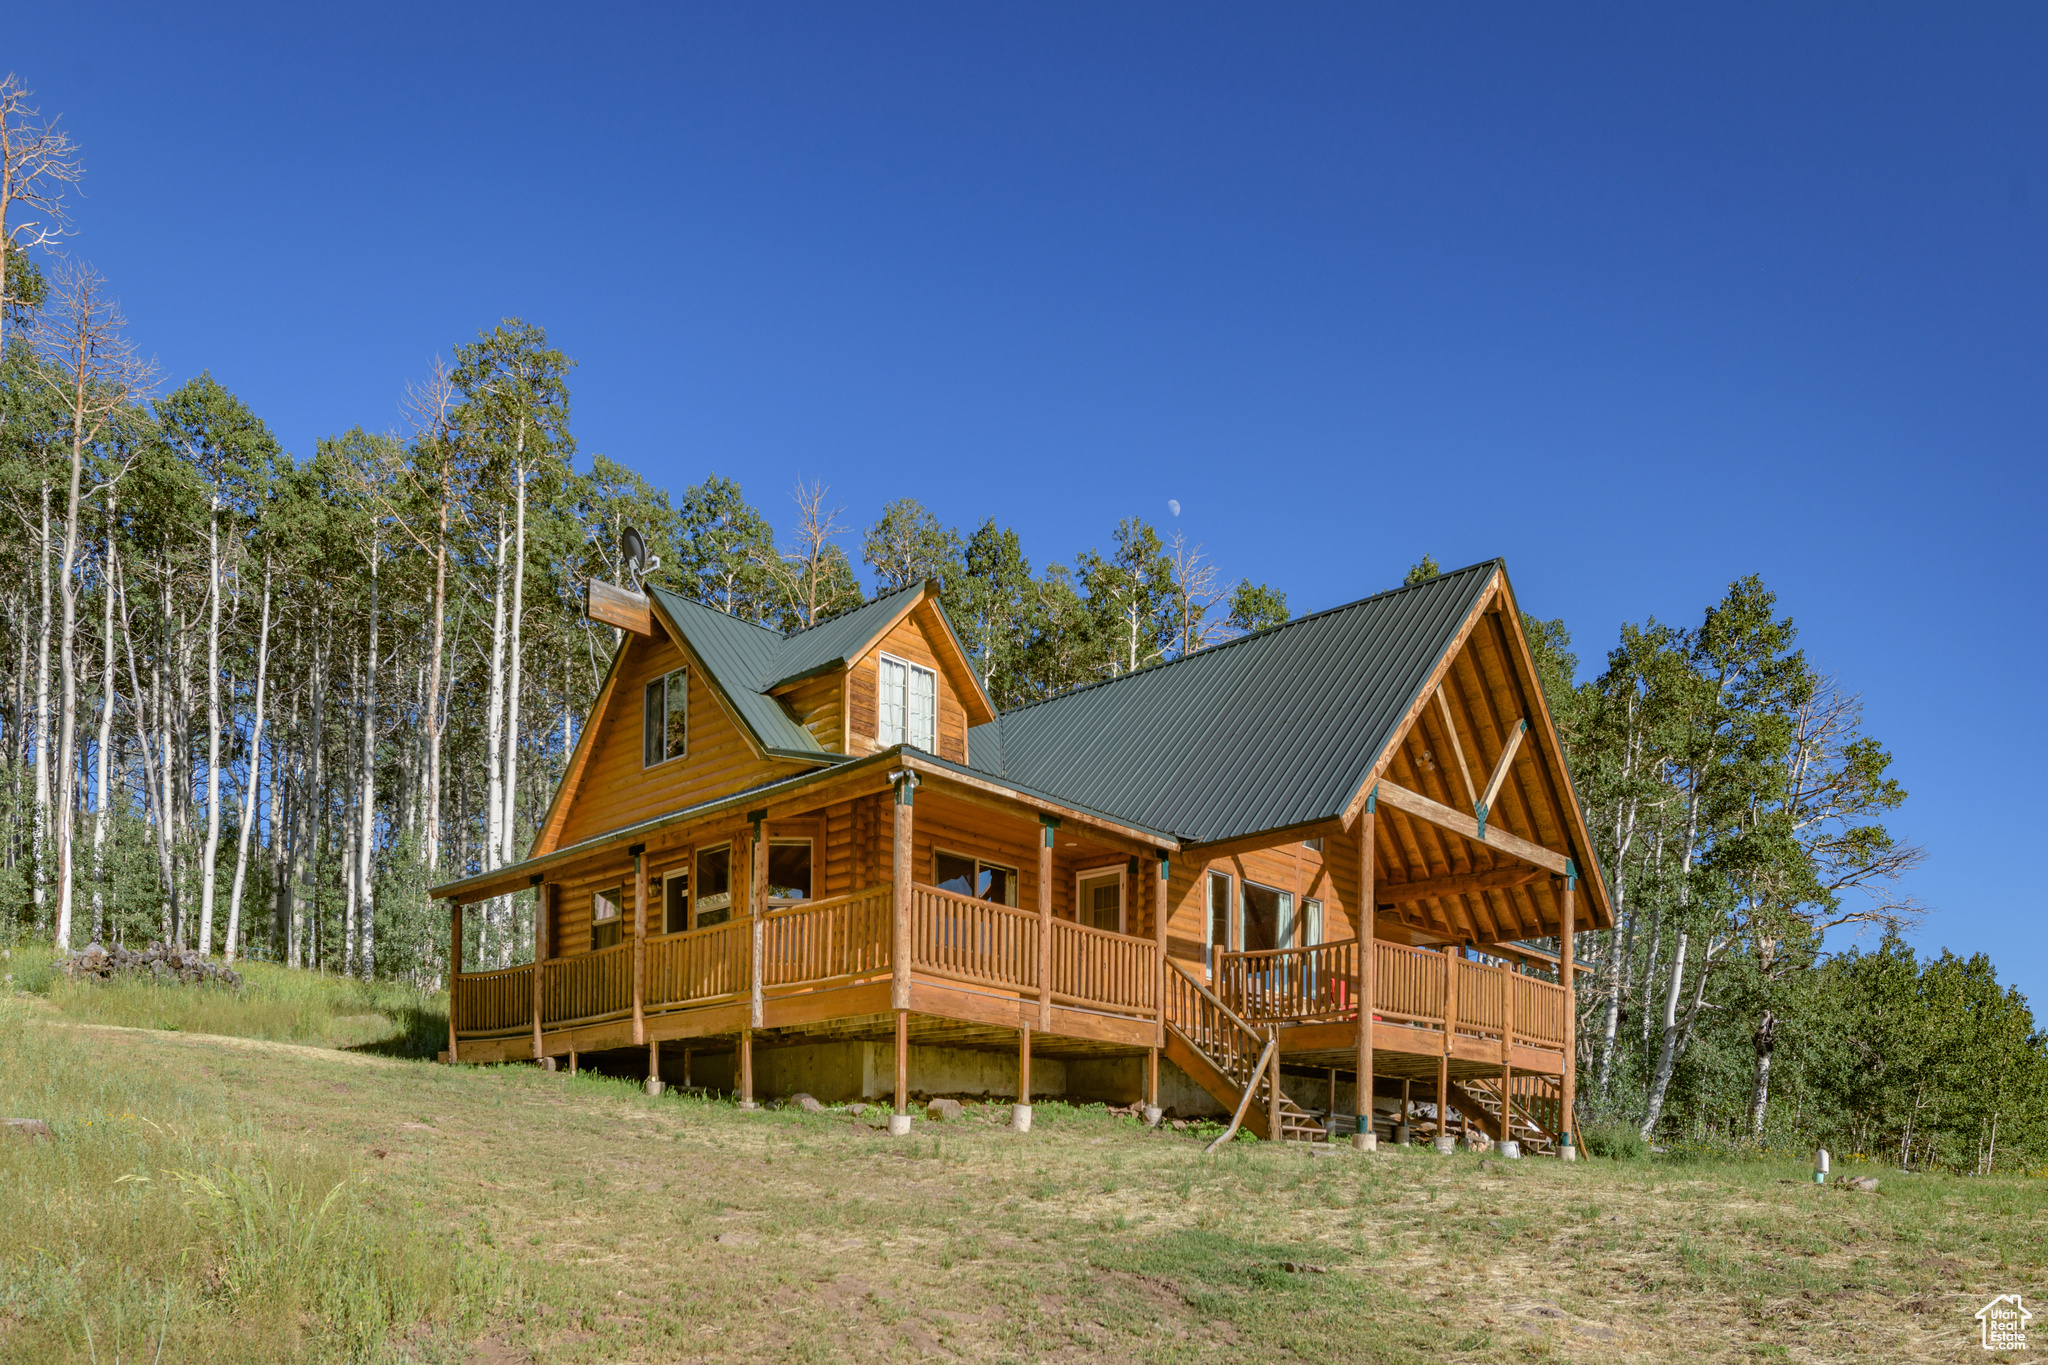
1254	606
1618	1141
1421	572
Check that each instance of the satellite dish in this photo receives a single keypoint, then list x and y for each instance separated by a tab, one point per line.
633	554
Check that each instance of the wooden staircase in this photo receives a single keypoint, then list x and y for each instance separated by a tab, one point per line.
1480	1102
1231	1060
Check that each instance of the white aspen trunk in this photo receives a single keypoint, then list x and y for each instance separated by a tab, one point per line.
102	802
251	797
67	721
433	698
41	840
165	868
1670	1045
494	739
509	824
211	851
350	885
314	802
366	895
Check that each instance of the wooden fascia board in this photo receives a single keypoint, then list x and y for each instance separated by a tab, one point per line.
980	702
1394	796
1590	876
572	776
1423	695
1268	838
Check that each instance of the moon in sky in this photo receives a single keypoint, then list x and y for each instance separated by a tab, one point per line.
1173	506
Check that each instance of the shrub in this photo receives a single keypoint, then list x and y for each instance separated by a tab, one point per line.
1616	1141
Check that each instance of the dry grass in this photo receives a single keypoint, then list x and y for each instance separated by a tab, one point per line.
605	1226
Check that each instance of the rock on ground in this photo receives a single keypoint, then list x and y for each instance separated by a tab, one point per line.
160	961
944	1111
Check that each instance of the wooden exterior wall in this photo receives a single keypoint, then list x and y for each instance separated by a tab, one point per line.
911	638
615	789
1285	863
819	704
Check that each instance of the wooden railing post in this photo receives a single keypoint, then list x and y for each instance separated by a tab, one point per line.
1048	825
638	852
1567	1118
1363	1137
542	909
454	969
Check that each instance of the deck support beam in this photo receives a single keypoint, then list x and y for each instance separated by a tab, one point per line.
1367	986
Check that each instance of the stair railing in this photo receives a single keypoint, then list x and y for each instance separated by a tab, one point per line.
1244	1103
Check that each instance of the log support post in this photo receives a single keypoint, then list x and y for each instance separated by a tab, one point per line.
454	970
1443	1063
747	1069
543	908
1367	984
1048	827
639	855
1273	1080
1567	1114
1159	913
757	906
899	1116
653	1066
1020	1113
901	873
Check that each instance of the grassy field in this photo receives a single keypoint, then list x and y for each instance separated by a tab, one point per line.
219	1200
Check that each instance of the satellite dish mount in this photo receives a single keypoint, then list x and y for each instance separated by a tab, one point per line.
633	558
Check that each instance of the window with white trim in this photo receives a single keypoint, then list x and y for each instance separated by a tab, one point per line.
1311	922
665	724
1216	936
966	876
1099	899
1268	921
789	871
909	705
605	917
714	886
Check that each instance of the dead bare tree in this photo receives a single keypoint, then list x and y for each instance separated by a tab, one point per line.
1194	591
90	365
38	162
813	573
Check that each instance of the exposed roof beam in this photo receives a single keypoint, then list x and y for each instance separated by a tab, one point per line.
1500	772
1443	707
616	606
1457	822
1397	893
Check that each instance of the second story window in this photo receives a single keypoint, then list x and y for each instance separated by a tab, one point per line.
666	726
909	705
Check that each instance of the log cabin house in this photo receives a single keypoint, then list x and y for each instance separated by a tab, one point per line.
823	862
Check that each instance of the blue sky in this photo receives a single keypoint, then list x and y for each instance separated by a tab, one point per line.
1639	300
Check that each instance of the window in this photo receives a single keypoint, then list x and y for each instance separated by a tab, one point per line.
714	886
665	724
1268	918
789	870
1217	937
1311	923
965	876
675	902
605	918
1315	843
909	705
1099	899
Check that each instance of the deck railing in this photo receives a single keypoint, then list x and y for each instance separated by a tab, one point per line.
587	987
491	1004
1097	969
1291	984
696	968
978	942
1306	985
834	939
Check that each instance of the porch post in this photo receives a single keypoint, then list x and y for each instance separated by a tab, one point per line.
1568	1115
1161	895
757	906
654	1066
746	1068
1364	1137
454	968
1047	824
542	906
901	872
639	856
1443	1063
1273	1113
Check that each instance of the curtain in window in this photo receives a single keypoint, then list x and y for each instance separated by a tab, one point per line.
924	709
892	719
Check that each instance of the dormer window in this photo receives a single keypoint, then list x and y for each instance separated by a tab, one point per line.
909	705
666	729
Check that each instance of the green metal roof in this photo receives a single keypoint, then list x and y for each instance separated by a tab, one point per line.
1264	732
746	661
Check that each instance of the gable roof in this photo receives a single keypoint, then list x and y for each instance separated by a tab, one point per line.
748	661
1264	732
